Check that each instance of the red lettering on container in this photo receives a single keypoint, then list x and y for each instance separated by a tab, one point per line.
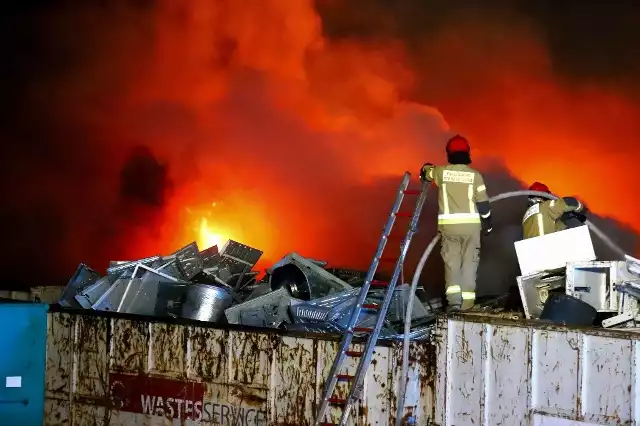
156	396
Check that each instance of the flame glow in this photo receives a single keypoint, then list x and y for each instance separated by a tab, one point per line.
208	236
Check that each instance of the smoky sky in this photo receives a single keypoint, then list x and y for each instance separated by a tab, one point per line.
587	40
78	190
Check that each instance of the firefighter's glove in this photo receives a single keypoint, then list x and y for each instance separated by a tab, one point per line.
486	226
584	211
423	172
581	216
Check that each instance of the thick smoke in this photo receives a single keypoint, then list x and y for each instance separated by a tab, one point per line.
279	126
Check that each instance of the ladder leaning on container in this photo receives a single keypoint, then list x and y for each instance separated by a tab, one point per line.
356	385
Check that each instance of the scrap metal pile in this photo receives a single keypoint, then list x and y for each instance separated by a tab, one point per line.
569	286
221	286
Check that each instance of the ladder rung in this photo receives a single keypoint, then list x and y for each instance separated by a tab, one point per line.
344	377
343	401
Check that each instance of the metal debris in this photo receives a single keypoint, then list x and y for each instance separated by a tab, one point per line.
221	285
609	288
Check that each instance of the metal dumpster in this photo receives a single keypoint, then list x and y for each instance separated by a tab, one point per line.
22	363
110	369
119	370
503	373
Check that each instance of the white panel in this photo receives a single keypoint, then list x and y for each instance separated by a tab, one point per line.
506	374
555	370
13	382
464	370
606	378
555	250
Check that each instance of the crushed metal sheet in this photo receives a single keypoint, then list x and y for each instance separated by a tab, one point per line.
82	278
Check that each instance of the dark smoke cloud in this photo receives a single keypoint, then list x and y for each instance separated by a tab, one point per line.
143	180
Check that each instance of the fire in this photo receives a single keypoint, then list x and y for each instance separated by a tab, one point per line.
303	133
209	236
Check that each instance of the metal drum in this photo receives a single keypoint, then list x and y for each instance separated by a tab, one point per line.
205	302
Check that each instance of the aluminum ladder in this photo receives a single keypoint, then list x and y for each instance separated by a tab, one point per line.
356	385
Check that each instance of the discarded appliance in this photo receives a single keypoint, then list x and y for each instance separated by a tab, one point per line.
595	283
83	277
628	291
92	293
304	279
536	287
554	250
269	310
205	302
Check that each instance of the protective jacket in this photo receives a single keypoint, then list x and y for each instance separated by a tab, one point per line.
463	204
544	217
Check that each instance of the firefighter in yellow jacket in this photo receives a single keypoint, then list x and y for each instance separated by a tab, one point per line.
548	216
463	214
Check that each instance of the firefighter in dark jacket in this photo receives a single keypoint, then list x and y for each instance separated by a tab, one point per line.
463	213
548	216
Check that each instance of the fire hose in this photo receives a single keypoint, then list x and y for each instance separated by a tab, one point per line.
416	277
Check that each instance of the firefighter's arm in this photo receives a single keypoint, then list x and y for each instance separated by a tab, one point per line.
482	202
564	205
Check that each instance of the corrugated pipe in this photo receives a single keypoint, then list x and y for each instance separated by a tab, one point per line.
416	277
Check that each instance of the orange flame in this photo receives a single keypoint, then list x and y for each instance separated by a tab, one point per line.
209	236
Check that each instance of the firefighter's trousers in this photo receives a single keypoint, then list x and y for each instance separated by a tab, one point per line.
461	256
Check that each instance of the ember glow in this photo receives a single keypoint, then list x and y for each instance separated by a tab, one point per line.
208	236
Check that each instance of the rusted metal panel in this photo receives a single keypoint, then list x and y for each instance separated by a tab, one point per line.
294	381
131	355
90	360
59	369
501	373
207	355
104	370
251	357
420	397
327	352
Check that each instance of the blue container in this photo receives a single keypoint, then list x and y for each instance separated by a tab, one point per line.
23	342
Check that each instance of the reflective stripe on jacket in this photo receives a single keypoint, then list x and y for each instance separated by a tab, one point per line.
461	187
543	218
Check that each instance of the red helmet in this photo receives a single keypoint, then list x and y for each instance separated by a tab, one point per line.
540	187
458	144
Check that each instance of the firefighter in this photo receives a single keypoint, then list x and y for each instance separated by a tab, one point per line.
548	216
463	214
